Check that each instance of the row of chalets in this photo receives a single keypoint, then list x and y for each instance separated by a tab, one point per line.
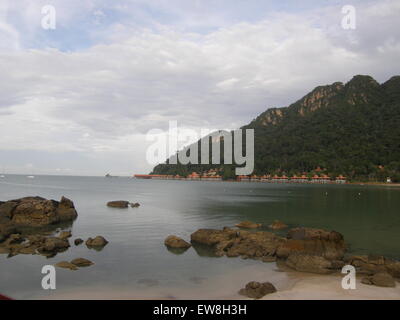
194	176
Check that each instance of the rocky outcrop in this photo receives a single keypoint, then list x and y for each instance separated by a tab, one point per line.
176	242
380	279
257	290
328	244
234	243
65	235
372	264
97	243
35	212
118	204
248	225
135	205
277	225
310	263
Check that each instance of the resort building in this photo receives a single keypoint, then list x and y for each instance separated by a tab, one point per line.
340	179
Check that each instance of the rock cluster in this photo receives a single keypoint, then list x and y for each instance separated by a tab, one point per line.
34	212
74	264
122	204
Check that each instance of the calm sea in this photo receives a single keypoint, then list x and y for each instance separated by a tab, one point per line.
136	258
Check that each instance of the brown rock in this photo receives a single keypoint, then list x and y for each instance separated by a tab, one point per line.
309	263
257	290
176	242
248	225
66	265
277	225
36	212
65	235
78	241
81	262
135	205
328	244
118	204
97	242
383	279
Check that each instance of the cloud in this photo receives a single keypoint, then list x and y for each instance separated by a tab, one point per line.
99	101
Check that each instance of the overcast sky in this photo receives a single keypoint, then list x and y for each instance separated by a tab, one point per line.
80	99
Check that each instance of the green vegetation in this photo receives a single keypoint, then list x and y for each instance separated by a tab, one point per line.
351	129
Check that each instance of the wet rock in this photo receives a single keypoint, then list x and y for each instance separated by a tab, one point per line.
65	235
97	243
54	245
66	265
36	212
257	290
248	225
393	268
78	241
135	205
277	225
328	244
381	279
82	262
118	204
309	263
176	242
368	265
234	243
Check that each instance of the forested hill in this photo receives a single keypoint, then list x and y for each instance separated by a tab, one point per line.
351	129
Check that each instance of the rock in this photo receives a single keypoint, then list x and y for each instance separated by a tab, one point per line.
257	290
277	225
97	242
66	265
309	263
328	244
54	245
393	268
135	205
234	243
248	225
81	262
36	212
381	279
65	235
368	265
78	241
118	204
176	242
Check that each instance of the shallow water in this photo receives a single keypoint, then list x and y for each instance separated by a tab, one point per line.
136	258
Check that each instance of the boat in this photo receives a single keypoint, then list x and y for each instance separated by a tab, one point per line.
30	177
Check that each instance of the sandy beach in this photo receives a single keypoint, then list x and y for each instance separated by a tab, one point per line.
290	285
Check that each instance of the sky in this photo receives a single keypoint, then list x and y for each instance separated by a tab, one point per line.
81	99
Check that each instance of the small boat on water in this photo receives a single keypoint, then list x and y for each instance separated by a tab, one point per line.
30	177
2	176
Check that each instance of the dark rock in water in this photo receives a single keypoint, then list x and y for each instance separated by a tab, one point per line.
118	204
234	243
135	205
36	212
257	290
82	262
65	235
380	279
53	245
78	241
328	244
277	225
66	265
97	243
309	263
248	225
176	242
